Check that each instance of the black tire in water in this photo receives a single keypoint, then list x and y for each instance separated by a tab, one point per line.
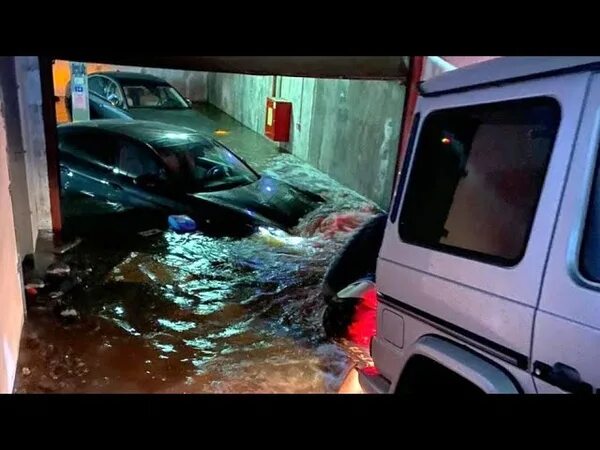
356	261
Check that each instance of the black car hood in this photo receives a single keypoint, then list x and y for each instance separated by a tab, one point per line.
188	117
278	202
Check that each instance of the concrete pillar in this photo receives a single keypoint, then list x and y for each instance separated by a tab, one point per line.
11	298
17	171
27	72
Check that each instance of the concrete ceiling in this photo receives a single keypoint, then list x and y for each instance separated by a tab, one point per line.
361	67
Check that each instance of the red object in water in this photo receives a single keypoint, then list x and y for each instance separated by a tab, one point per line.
30	293
338	223
364	322
370	370
277	122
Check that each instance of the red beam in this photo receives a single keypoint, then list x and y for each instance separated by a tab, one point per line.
412	93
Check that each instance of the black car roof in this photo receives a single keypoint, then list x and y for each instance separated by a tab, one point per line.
146	131
131	76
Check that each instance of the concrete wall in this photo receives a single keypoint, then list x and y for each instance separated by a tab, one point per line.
354	134
348	129
243	97
11	295
19	191
24	196
20	84
301	92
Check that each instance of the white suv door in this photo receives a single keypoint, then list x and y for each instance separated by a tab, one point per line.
566	344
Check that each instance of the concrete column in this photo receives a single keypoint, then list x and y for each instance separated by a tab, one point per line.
17	171
11	298
34	142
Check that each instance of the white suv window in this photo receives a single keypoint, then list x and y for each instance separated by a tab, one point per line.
477	177
589	260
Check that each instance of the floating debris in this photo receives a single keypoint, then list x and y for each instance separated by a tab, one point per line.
58	269
182	223
35	284
149	233
71	312
65	248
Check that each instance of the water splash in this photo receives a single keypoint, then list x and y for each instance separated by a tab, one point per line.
192	313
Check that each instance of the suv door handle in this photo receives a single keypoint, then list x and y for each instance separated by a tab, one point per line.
563	377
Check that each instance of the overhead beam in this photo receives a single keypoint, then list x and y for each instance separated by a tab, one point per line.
350	67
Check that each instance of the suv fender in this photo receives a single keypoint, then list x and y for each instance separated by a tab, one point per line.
474	368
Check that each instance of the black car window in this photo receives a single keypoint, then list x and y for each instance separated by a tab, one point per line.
477	177
153	95
136	160
96	85
91	145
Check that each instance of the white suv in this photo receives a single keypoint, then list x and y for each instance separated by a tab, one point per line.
488	277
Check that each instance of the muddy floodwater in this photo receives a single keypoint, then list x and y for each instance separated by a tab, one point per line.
191	313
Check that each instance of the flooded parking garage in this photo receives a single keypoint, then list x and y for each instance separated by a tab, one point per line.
146	309
196	313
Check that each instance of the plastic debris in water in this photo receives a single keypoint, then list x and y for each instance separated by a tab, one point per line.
35	284
277	238
58	269
65	248
182	223
69	313
149	233
269	238
335	223
221	132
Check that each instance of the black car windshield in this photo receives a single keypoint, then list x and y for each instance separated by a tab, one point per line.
150	95
203	165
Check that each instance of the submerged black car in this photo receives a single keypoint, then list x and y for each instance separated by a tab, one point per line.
117	95
174	170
